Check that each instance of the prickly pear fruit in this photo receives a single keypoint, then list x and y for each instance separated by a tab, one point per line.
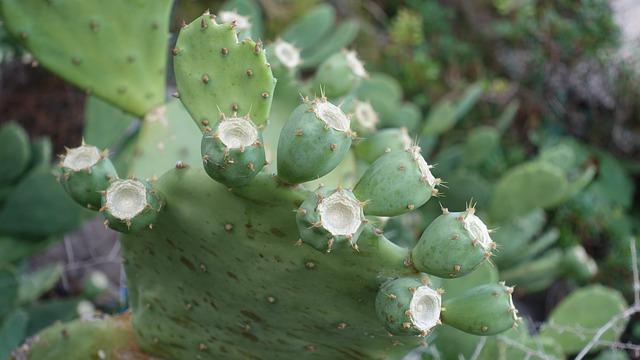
453	245
131	205
84	172
383	141
408	306
330	219
482	310
232	151
313	141
284	54
216	72
340	73
398	182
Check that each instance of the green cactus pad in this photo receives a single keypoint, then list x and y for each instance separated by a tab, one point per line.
398	182
382	142
330	219
340	73
453	245
482	310
311	29
239	280
364	118
585	311
408	306
314	140
105	338
526	187
15	152
131	205
341	37
217	73
84	172
75	39
232	151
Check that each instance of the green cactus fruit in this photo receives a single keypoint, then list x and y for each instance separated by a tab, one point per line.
77	42
398	182
232	151
217	73
408	306
340	73
482	310
84	172
131	205
365	119
15	152
382	142
453	245
330	219
313	141
285	55
245	14
383	92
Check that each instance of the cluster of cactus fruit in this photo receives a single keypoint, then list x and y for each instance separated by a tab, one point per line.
312	143
209	247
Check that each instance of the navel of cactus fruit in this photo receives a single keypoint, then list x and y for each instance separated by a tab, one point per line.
398	182
382	142
408	306
453	245
232	151
131	205
365	117
482	310
84	172
217	72
285	54
340	73
330	219
313	141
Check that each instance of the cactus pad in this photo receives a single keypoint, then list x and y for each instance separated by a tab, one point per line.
75	39
217	73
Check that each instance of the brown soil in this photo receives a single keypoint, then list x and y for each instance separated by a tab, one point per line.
42	103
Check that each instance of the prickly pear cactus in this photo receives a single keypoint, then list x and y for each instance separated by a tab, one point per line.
224	260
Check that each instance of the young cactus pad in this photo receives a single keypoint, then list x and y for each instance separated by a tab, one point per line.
398	182
330	219
453	245
232	151
313	141
217	73
84	172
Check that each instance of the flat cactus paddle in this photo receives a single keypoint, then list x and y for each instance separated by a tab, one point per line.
75	39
